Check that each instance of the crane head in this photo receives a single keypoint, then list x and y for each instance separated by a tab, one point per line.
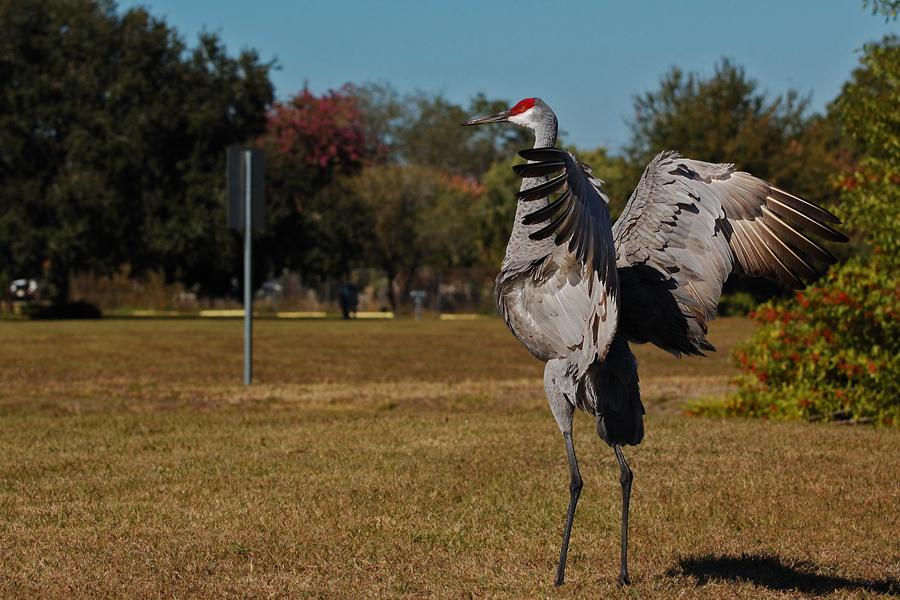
523	113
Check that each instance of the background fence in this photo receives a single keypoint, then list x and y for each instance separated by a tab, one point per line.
468	290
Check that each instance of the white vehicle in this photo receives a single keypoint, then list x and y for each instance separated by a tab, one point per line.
23	289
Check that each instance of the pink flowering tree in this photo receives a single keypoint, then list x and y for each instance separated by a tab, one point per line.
310	142
319	136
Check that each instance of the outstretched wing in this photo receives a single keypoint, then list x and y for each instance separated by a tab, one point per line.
571	295
687	226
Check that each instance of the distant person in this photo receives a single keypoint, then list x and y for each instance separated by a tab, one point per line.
349	300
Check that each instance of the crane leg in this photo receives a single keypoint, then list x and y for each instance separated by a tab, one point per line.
625	480
560	390
575	485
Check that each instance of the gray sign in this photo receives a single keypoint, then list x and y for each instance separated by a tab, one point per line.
237	186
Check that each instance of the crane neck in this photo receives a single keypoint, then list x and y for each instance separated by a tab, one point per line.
546	130
521	249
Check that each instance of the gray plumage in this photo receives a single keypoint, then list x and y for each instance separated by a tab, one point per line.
687	227
575	290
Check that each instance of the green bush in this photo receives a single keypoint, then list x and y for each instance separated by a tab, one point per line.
832	351
63	310
738	304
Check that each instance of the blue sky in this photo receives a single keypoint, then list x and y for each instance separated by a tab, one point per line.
587	60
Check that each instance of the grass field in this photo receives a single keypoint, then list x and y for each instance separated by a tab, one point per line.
405	460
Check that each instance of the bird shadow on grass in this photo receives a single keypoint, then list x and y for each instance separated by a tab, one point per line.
771	572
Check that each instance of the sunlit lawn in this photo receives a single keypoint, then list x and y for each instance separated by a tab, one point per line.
405	460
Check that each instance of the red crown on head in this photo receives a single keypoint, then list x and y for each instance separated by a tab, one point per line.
522	106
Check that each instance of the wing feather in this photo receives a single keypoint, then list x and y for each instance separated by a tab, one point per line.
806	245
538	169
776	204
543	190
687	226
545	232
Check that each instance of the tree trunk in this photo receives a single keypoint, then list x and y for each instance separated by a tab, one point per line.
57	279
392	291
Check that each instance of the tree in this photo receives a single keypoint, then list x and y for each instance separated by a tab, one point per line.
724	119
888	8
869	110
494	211
424	129
417	216
314	223
833	351
112	142
217	101
460	173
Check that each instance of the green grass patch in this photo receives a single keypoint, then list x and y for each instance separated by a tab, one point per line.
404	460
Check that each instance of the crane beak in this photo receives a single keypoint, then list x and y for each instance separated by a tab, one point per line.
501	117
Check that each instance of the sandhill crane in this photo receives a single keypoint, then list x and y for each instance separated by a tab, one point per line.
575	290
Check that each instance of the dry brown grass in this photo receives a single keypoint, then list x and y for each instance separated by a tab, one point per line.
139	363
403	460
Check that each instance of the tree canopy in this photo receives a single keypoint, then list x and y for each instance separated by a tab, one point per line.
112	153
888	8
726	119
424	129
112	141
362	177
870	109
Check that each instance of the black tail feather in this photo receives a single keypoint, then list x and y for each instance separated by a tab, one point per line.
613	389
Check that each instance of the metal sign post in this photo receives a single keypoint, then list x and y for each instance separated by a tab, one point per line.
248	270
246	209
418	297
